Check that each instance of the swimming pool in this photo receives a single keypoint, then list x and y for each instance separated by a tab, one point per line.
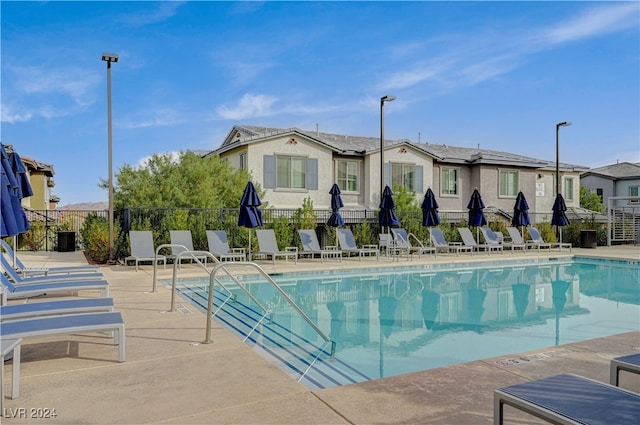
391	321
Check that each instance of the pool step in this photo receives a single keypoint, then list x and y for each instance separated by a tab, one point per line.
304	360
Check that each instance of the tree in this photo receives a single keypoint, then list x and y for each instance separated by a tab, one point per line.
590	200
189	181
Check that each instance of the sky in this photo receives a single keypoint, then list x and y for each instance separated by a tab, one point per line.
499	75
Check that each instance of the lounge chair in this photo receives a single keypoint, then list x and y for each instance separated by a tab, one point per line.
269	247
142	248
439	241
516	240
404	240
11	291
536	239
569	399
469	240
491	240
311	247
630	363
42	271
54	308
68	324
219	246
181	241
348	245
15	277
10	347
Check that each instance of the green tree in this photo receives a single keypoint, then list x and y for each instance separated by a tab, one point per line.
187	181
590	200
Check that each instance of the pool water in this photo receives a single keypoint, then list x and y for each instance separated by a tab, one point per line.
394	321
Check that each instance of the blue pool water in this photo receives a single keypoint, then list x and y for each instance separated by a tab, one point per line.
391	321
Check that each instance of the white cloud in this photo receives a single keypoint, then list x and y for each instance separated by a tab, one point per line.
593	22
11	117
250	106
144	161
158	118
163	11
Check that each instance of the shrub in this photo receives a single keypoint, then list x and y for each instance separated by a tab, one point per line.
95	233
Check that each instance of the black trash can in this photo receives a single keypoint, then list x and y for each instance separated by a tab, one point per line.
588	239
66	241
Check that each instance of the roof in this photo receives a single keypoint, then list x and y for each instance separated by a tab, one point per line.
619	171
361	145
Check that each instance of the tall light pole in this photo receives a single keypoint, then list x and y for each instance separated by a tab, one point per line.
382	100
108	58
560	124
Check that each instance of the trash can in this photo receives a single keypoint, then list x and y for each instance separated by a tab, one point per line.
588	239
66	241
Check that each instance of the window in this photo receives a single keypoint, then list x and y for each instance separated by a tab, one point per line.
508	183
600	194
449	182
634	191
243	161
568	188
291	172
403	175
348	172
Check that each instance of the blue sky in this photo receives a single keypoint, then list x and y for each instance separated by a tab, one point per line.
495	74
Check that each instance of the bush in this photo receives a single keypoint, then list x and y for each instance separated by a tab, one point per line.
95	233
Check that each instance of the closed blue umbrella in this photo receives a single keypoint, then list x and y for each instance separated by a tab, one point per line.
250	215
520	212
521	297
14	219
335	220
475	207
430	207
387	214
559	217
20	172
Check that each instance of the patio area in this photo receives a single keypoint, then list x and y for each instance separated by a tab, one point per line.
171	377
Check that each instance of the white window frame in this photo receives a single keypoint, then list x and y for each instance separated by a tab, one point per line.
456	183
568	183
291	171
343	183
408	175
637	188
500	186
243	161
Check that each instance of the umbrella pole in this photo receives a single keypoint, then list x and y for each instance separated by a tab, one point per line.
249	243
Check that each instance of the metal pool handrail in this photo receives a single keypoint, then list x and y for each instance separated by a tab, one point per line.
224	266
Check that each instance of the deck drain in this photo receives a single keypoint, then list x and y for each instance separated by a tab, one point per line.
533	357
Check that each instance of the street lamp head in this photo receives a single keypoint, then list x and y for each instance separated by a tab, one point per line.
110	57
387	98
564	124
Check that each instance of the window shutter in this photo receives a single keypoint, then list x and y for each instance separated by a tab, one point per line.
387	175
312	174
269	174
417	184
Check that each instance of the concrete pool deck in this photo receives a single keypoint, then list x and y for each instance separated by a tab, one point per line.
171	378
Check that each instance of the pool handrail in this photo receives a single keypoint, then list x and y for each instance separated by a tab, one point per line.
270	281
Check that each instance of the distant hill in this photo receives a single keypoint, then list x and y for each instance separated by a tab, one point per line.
94	206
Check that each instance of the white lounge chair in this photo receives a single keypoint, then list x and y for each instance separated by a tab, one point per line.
181	241
411	242
15	277
42	271
440	243
219	246
536	239
55	308
268	246
348	245
311	247
11	291
68	324
142	248
516	240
